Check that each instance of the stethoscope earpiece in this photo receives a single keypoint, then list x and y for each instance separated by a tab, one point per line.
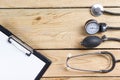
97	10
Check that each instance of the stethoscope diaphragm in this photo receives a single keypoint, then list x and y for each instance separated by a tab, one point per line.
97	10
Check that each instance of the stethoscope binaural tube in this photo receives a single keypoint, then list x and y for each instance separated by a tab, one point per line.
98	71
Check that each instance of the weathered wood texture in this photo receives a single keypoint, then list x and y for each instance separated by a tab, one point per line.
84	78
48	24
58	68
55	28
56	3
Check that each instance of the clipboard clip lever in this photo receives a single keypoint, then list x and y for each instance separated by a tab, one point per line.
19	44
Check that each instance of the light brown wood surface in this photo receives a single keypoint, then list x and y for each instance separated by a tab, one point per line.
84	78
59	24
58	68
55	28
56	3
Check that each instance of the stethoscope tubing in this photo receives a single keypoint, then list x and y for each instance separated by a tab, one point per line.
99	71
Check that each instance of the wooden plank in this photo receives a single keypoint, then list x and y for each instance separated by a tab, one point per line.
84	78
55	28
58	68
56	3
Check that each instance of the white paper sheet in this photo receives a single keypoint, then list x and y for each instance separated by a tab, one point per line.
14	64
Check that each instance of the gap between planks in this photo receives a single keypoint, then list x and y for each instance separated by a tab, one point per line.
78	49
57	7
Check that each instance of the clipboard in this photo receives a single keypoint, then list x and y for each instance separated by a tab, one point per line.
18	61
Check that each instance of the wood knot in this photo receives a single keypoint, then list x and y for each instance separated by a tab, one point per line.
38	18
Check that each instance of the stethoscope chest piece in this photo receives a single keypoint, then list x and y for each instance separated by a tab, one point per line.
97	10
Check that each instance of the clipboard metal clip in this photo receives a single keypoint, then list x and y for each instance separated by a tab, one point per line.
19	44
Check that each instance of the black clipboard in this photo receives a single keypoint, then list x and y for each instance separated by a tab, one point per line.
11	43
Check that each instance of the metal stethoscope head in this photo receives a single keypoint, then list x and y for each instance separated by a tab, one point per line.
109	68
97	10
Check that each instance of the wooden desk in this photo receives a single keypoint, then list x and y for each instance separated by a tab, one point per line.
49	25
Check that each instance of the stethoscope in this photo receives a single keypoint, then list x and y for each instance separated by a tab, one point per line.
102	53
93	27
97	10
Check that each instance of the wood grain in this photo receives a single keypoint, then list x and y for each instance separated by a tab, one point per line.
84	78
58	69
60	24
56	3
55	28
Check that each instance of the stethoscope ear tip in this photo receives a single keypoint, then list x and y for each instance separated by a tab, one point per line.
67	68
97	10
69	55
